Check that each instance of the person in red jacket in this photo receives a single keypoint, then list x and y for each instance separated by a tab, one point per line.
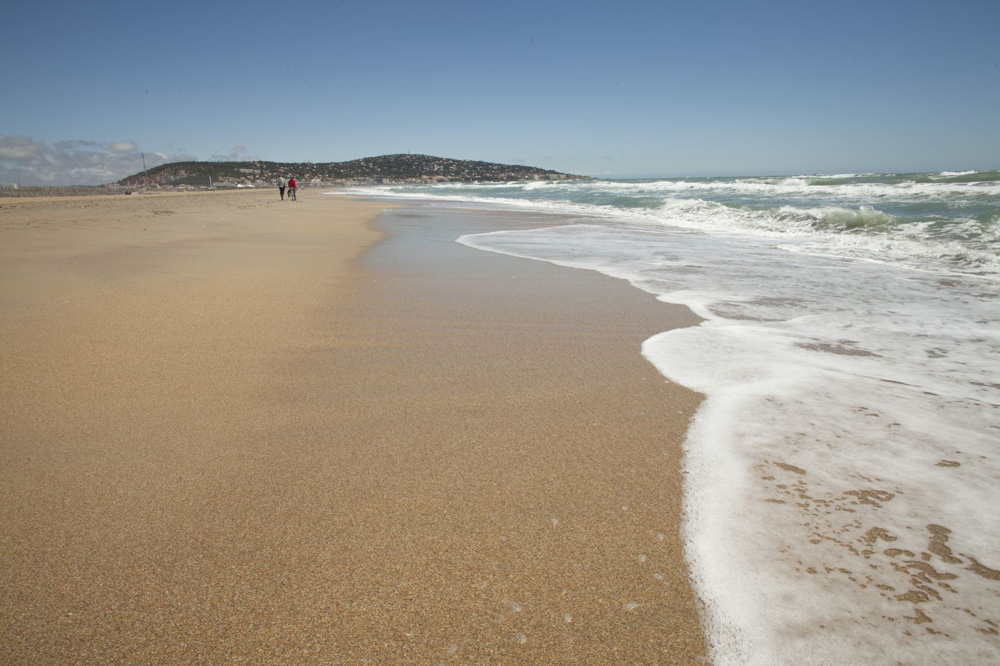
292	187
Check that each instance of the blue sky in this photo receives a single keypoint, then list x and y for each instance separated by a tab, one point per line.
614	89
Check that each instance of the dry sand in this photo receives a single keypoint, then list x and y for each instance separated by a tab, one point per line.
228	436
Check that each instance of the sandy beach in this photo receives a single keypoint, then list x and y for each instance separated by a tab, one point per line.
241	430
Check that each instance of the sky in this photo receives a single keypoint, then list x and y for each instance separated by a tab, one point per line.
606	89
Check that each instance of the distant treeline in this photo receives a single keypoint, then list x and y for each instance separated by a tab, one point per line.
60	191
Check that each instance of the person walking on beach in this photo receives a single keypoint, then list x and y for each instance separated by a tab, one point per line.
281	187
292	186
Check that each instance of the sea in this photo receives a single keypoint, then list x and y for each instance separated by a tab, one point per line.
842	488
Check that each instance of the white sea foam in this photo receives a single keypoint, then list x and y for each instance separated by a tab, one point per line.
842	471
804	186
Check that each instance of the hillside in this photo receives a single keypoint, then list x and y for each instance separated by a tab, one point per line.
369	170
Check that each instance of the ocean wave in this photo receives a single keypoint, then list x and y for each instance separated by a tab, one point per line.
864	218
902	188
955	226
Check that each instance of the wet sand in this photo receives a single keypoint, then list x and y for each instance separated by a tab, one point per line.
237	429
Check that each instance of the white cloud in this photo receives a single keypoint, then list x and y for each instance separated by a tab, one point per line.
26	161
123	147
17	148
76	144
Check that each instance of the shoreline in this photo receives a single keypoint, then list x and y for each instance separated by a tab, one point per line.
287	457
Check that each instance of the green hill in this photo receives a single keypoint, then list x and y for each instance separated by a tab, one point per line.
383	169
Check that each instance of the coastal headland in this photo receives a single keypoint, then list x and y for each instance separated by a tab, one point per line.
237	429
398	168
